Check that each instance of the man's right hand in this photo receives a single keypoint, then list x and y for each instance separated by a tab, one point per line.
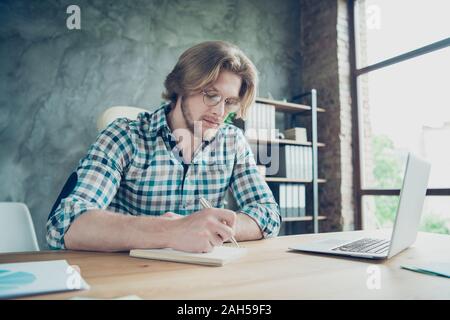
203	230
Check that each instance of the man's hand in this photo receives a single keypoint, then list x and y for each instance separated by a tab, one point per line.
202	230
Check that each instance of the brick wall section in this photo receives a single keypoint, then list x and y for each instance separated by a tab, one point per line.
325	67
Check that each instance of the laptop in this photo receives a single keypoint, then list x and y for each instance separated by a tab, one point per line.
406	226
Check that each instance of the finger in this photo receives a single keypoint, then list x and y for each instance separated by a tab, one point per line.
208	247
213	238
224	215
216	226
216	240
224	231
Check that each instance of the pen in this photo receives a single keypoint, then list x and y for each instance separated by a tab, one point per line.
205	203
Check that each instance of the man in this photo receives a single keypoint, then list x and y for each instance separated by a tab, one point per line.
140	183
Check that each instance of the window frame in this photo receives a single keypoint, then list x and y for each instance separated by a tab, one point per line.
355	72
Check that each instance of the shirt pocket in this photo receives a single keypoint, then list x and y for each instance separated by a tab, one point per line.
152	174
153	188
213	180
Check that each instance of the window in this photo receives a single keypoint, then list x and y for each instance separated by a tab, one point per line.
402	58
394	27
384	208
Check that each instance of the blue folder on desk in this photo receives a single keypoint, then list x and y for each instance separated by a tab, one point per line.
30	278
436	269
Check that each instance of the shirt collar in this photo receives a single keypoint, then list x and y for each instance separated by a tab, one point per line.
158	119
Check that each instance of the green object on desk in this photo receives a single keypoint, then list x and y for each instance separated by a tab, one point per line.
434	269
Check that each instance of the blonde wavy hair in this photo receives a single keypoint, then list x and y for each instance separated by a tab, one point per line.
200	66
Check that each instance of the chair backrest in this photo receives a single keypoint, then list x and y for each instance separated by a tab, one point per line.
113	113
16	228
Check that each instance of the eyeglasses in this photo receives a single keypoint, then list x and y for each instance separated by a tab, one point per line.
213	98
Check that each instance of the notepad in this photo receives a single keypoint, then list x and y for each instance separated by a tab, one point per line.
217	257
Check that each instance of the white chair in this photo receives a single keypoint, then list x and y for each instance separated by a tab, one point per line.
16	228
111	114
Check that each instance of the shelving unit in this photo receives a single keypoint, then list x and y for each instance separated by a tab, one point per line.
294	109
306	218
289	106
290	180
284	142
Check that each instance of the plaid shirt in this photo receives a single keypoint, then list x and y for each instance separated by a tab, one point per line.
134	168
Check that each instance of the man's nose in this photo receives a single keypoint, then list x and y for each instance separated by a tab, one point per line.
219	109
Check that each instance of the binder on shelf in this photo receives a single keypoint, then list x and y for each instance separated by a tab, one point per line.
293	208
292	190
250	123
302	166
285	201
296	200
284	163
264	125
299	174
291	172
301	163
310	164
305	162
261	122
295	162
295	170
288	200
302	198
258	120
288	164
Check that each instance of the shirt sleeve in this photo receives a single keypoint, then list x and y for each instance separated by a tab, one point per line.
252	194
97	179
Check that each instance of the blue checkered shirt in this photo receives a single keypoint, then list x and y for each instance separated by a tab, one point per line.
135	168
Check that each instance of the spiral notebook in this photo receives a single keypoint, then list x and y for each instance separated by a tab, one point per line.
218	257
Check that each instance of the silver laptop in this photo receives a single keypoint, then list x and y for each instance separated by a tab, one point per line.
412	197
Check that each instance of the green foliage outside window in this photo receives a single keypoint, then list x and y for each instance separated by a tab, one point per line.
388	173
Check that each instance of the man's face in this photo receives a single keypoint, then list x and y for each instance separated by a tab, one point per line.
206	120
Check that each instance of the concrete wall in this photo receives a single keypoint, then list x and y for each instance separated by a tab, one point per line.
54	82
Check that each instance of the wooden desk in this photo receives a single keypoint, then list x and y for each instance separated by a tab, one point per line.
269	271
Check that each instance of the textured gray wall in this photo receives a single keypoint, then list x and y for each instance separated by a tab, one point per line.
54	82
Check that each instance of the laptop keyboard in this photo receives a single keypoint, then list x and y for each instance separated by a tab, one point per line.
366	245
